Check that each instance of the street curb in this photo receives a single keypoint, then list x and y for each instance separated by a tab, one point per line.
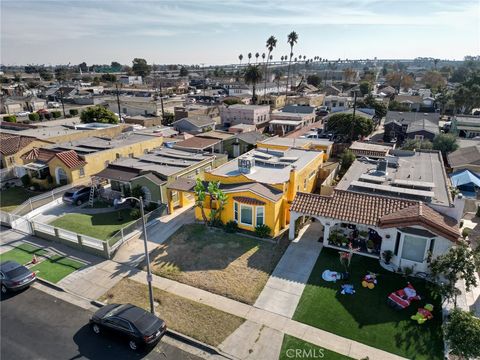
182	338
50	284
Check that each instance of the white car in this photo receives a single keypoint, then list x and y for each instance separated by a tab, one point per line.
23	113
53	104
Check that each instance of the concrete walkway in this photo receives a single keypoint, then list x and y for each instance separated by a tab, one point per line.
285	286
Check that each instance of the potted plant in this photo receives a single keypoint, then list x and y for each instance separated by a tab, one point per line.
363	234
370	246
387	256
343	240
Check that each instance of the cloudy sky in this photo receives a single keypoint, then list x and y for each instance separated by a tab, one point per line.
217	31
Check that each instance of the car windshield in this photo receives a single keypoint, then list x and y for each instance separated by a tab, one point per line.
68	193
19	271
115	310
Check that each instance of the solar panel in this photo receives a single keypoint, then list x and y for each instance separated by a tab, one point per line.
393	189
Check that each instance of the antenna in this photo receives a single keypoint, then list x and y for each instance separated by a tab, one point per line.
160	88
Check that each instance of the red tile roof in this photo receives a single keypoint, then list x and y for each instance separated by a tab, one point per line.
375	210
248	200
40	154
71	159
10	144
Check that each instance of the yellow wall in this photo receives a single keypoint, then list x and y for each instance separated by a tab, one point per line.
277	214
106	132
15	159
307	146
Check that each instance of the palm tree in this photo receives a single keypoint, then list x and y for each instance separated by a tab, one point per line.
263	57
292	39
256	57
240	57
249	57
281	58
253	76
271	44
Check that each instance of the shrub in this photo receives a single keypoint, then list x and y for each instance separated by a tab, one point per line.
36	187
47	116
262	231
56	114
34	116
466	232
68	116
73	112
10	118
216	223
151	206
25	180
135	213
231	227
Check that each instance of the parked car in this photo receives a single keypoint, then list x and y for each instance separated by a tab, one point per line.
322	112
77	195
14	276
53	104
23	113
310	135
43	112
129	322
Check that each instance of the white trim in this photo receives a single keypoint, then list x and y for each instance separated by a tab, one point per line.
256	214
240	215
236	213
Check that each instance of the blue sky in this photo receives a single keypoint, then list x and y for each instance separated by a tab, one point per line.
215	32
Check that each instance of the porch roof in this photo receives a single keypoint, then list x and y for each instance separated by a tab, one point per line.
375	210
118	173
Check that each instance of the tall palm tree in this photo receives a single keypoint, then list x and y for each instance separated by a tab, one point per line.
271	44
292	39
281	58
253	76
240	57
257	55
263	56
249	57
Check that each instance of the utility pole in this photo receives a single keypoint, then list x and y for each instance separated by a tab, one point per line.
354	109
204	79
118	103
63	105
161	94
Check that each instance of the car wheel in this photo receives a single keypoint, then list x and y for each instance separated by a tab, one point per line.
79	202
96	329
4	289
133	345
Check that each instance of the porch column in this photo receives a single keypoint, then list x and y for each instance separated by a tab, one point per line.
326	232
291	230
169	201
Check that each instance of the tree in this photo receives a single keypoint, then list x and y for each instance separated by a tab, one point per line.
462	331
415	144
271	44
346	160
400	80
240	57
109	78
446	143
140	67
365	87
350	129
10	118
168	118
314	80
396	106
83	66
257	55
34	116
380	108
61	73
232	101
434	80
292	39
214	195
98	114
349	74
116	66
459	263
253	76
249	57
45	75
183	71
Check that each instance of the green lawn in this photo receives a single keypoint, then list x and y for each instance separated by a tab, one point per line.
14	196
365	316
22	253
100	226
56	268
296	349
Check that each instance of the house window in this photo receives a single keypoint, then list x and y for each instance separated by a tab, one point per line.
246	215
82	172
305	184
312	175
117	155
418	137
235	211
260	215
414	248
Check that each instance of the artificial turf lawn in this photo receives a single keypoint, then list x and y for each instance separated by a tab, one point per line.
365	316
56	268
22	254
294	348
100	226
12	197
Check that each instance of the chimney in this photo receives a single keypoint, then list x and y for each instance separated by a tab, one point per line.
292	184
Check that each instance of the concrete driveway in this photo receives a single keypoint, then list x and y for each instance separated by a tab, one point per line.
285	286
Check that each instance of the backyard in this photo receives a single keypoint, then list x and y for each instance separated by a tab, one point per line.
191	318
14	196
294	348
230	265
101	226
365	315
51	266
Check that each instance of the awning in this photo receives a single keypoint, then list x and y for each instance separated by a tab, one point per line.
117	174
182	184
36	166
464	177
286	122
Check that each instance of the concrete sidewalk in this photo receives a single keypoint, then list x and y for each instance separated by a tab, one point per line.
285	286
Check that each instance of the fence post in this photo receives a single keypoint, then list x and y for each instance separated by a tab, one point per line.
121	231
53	197
106	249
30	202
79	239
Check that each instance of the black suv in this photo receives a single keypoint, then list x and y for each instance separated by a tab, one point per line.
129	322
77	195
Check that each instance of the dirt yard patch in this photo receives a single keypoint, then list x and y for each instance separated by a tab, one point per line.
193	319
230	265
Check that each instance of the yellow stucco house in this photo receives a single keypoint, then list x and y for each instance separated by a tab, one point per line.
285	143
12	147
73	161
260	185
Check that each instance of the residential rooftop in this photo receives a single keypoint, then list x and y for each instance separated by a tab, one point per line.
295	142
411	175
269	167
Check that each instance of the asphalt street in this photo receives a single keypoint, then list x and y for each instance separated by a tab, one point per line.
35	325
